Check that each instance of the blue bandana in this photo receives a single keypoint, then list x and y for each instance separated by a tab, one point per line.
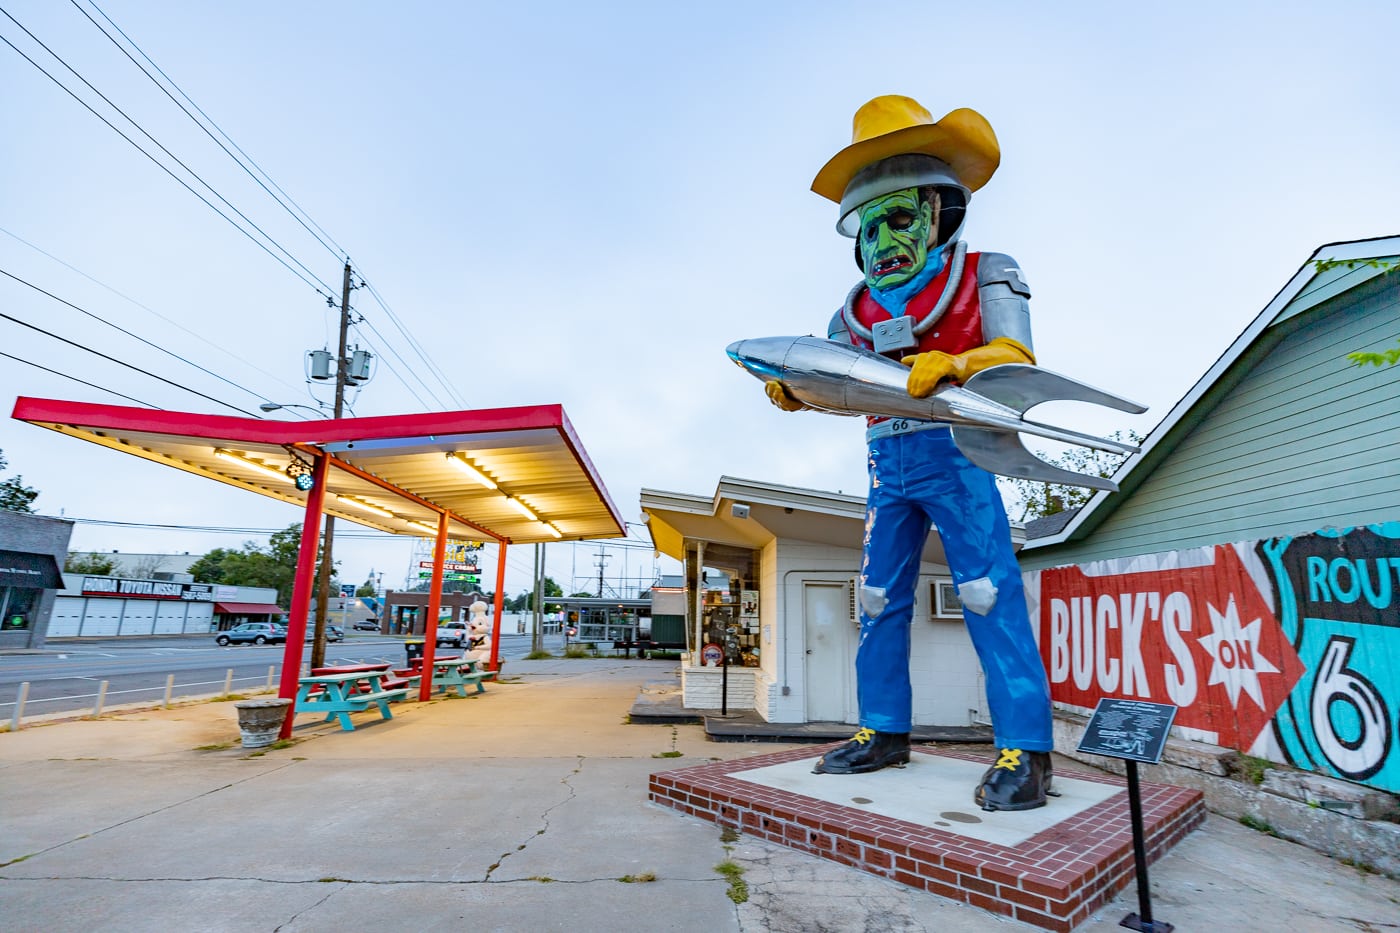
895	299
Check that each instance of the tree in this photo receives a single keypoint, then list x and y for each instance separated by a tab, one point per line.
14	495
525	602
367	588
272	566
98	565
1033	499
147	566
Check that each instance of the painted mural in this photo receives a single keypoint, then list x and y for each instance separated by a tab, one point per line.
1286	648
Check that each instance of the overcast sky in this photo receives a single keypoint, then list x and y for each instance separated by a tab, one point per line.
584	204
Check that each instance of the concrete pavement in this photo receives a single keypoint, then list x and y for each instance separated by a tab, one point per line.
523	808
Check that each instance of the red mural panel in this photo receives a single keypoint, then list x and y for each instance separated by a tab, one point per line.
1200	638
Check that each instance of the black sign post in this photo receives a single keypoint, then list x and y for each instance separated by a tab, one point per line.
1133	730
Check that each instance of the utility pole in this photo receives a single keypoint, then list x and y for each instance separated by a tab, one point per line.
603	558
323	583
536	632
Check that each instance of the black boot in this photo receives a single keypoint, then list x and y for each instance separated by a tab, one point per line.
868	750
1020	780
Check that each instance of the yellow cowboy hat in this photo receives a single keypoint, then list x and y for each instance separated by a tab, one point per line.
894	125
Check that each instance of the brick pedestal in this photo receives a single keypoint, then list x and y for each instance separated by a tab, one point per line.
1053	875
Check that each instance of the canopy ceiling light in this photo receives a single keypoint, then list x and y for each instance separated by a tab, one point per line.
552	530
250	463
366	506
459	460
522	508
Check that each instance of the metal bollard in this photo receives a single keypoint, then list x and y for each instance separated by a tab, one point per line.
19	706
169	687
270	669
101	699
228	682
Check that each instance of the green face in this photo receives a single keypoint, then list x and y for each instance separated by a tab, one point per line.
894	233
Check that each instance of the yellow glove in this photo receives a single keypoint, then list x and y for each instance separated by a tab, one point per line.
927	370
778	395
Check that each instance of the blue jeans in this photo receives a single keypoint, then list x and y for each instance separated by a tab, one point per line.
917	479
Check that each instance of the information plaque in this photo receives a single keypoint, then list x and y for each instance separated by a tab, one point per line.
1134	730
1131	729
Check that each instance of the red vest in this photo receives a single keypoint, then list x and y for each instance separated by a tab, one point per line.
957	331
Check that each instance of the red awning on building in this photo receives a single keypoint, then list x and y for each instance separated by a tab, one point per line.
248	609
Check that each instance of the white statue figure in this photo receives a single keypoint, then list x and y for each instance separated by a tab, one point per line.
479	646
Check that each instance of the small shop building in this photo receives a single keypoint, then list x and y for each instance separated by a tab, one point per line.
32	549
769	606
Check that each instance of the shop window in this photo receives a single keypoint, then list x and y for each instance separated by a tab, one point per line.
17	606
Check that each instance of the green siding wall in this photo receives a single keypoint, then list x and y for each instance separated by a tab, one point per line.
1304	440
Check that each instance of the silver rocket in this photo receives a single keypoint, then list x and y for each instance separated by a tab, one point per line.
985	413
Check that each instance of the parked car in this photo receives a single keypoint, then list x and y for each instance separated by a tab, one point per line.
456	634
333	632
366	625
252	633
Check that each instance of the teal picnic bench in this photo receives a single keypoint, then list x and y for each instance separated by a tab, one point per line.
338	695
452	674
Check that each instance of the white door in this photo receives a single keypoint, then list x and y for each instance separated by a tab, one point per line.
830	647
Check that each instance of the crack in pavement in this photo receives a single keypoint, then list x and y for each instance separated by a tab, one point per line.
307	909
142	816
544	818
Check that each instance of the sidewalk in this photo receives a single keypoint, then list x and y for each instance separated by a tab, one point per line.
524	808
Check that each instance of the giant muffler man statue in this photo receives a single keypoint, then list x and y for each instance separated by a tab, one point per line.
903	187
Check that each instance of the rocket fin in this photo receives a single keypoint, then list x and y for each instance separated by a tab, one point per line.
1002	452
1021	386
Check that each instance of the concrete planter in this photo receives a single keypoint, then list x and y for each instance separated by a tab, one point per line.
261	720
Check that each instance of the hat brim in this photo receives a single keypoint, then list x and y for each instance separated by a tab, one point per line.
963	139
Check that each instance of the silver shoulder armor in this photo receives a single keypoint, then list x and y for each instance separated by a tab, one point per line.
837	330
1005	299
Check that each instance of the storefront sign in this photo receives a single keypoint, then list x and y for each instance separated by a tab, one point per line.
120	588
29	571
454	566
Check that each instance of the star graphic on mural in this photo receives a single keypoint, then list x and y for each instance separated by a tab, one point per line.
1234	650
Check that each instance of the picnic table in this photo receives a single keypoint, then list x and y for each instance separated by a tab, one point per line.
457	673
339	695
389	683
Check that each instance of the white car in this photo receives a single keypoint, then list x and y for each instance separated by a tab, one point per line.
456	634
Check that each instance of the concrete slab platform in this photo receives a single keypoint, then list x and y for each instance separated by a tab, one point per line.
1050	867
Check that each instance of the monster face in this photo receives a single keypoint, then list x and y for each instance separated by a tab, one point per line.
894	237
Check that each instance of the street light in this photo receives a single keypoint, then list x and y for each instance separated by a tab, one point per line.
273	406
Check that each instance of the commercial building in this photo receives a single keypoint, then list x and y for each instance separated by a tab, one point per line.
770	584
91	606
32	549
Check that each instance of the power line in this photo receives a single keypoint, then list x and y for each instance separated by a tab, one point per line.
148	343
149	310
223	529
123	363
298	214
384	359
323	290
91	385
422	354
341	255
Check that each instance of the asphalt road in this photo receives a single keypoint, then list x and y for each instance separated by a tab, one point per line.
68	675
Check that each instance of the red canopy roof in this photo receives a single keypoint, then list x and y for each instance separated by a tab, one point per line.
518	475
